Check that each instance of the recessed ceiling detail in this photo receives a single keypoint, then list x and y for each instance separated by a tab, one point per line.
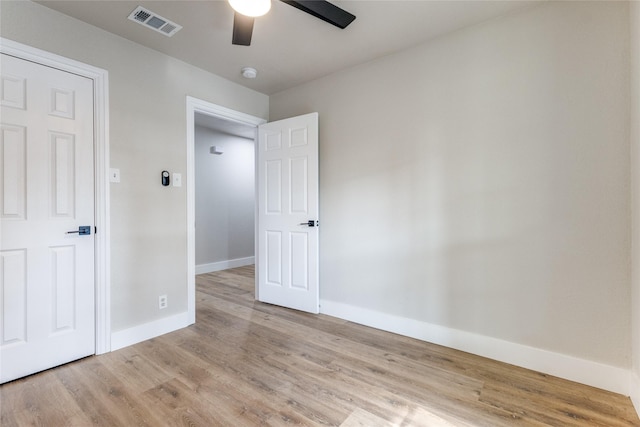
154	21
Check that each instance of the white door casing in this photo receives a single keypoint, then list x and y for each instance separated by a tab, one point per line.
47	275
288	213
100	78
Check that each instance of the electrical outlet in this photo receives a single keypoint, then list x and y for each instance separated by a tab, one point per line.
162	302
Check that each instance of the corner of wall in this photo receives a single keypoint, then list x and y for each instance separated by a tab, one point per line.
634	391
634	117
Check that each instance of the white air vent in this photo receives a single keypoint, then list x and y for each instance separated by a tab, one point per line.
154	21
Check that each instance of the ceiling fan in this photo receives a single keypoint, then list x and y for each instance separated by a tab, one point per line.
247	10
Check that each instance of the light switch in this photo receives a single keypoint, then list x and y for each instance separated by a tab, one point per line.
177	179
114	175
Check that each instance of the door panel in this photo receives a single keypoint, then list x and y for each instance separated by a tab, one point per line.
287	202
47	191
273	195
14	171
299	185
62	175
63	286
14	306
299	245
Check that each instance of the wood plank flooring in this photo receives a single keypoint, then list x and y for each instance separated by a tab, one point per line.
246	363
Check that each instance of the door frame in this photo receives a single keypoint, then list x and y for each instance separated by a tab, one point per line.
195	105
102	259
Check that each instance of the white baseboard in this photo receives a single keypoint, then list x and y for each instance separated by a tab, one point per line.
223	265
634	391
568	367
146	331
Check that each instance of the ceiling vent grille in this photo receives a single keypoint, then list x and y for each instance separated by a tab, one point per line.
154	21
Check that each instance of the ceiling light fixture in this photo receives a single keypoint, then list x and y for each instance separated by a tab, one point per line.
251	8
249	73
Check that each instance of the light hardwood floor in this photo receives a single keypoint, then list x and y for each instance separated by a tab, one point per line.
245	363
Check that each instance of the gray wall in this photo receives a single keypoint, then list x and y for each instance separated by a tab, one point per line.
147	135
635	182
487	173
225	194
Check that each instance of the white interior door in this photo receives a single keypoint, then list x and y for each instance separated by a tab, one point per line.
46	195
288	213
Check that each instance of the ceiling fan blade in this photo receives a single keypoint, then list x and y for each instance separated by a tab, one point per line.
324	10
242	29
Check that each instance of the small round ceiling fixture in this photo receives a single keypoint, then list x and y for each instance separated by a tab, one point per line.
249	73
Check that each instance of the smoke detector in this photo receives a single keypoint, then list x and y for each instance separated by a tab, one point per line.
154	21
249	73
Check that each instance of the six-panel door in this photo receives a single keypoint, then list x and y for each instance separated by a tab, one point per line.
46	194
287	202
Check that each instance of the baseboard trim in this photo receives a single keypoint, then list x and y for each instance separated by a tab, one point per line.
223	265
146	331
568	367
634	391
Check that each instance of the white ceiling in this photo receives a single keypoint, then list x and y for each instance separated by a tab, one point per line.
289	47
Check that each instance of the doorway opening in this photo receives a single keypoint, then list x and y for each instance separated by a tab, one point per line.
225	194
206	123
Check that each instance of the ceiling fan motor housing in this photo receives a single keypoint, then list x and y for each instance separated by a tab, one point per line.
321	9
